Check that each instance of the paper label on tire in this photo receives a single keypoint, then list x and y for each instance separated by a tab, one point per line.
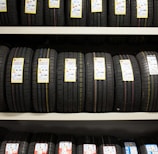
65	147
12	148
30	6
142	8
89	149
109	150
99	68
43	70
70	70
76	9
96	6
130	148
41	148
127	71
17	70
3	5
151	148
54	4
120	7
152	63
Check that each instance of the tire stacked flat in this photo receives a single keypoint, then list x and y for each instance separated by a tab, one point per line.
99	93
44	94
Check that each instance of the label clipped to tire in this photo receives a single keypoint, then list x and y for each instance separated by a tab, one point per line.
43	70
99	68
89	149
76	9
65	147
151	148
30	6
152	63
17	70
54	4
130	148
3	5
142	8
12	148
96	6
41	148
120	7
109	150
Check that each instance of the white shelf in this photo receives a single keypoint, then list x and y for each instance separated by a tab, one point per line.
79	116
80	30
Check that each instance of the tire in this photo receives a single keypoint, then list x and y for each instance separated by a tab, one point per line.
18	95
54	16
70	95
44	94
127	93
99	93
118	20
155	14
32	19
149	83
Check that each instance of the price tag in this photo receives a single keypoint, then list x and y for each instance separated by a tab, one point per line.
30	6
65	147
3	5
41	148
96	6
54	3
151	148
120	7
127	71
17	70
99	68
130	148
43	70
12	148
70	70
76	9
109	150
142	8
89	149
152	63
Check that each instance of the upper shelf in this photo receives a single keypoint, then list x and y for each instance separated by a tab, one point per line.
80	30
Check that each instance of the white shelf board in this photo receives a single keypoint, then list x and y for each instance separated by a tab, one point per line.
79	116
80	30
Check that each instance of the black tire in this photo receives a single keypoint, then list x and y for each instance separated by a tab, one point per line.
99	93
32	19
118	20
127	93
142	22
18	95
70	95
54	16
149	83
44	94
155	14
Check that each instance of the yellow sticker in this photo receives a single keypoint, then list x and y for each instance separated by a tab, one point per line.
17	70
54	4
3	5
120	7
96	6
76	9
142	8
30	6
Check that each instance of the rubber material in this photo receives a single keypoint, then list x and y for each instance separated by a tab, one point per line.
155	14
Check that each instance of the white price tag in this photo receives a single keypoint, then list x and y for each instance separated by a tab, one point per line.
70	70
130	148
43	70
41	148
54	3
96	6
109	150
142	8
152	63
127	71
65	147
151	148
3	5
89	149
99	68
76	9
12	148
120	7
30	6
17	70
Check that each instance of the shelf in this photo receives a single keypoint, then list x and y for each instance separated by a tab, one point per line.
80	30
79	116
